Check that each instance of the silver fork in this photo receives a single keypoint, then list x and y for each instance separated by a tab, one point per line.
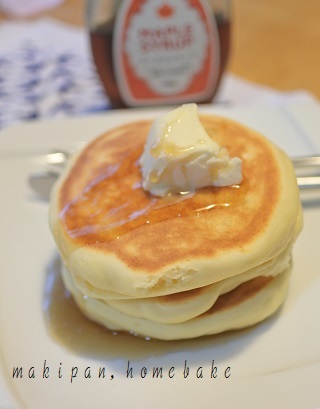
307	170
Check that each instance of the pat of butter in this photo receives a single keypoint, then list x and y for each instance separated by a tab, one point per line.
179	156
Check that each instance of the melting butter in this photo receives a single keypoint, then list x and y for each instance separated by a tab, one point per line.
179	156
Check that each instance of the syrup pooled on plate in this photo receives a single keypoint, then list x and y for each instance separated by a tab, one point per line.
69	327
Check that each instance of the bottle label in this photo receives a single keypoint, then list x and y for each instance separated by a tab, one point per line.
165	51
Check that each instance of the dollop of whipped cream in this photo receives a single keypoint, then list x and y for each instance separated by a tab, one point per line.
179	156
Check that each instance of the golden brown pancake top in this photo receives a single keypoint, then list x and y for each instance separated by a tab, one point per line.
102	203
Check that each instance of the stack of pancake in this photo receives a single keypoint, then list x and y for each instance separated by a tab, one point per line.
181	266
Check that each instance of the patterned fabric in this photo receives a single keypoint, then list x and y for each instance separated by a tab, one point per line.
46	73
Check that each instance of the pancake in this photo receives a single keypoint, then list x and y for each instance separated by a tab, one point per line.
123	242
248	304
163	264
183	306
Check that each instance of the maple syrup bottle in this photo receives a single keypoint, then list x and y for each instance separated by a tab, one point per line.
159	52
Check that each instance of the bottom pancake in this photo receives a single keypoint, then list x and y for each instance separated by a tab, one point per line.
246	305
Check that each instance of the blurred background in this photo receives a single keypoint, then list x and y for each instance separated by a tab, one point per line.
46	68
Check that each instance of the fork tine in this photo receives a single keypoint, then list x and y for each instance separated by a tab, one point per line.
306	161
311	167
309	182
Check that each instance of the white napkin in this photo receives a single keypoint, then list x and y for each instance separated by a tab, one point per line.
46	71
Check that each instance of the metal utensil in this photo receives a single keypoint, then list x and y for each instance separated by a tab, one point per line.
42	182
307	170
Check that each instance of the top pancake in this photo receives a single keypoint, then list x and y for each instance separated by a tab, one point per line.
119	241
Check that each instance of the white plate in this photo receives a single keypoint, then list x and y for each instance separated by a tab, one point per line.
275	364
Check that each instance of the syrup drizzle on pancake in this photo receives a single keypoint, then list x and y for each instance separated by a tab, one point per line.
103	207
100	213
